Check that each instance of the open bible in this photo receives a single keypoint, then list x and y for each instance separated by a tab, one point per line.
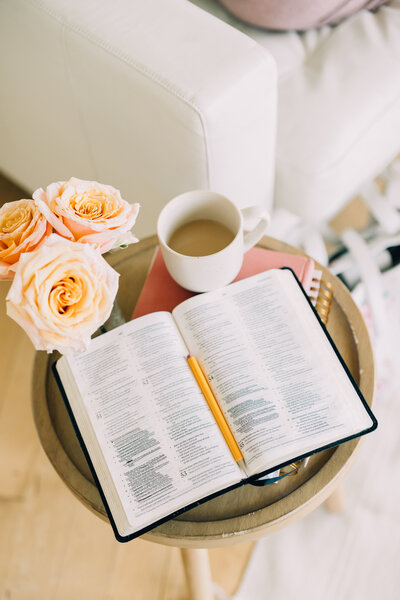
151	440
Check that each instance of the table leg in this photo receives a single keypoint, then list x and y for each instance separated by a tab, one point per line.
336	503
197	568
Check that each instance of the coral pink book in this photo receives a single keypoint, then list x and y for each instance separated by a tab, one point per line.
161	292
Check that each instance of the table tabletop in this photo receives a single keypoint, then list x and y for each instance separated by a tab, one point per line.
242	514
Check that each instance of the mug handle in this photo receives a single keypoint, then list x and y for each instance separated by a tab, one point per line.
251	238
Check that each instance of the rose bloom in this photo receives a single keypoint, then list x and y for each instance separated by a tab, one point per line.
22	229
61	294
88	212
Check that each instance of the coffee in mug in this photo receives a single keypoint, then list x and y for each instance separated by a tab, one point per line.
202	238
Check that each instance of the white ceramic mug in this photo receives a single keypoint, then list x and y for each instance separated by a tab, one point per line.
206	273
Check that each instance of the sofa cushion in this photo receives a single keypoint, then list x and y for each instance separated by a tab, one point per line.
339	114
338	109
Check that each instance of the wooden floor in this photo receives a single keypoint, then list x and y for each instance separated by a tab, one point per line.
51	547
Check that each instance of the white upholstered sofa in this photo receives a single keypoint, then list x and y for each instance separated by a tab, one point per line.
157	97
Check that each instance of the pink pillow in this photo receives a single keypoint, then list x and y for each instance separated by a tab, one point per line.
296	14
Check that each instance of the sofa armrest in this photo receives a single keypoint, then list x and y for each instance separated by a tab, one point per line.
160	97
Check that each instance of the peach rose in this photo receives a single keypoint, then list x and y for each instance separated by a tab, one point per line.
61	294
22	229
88	212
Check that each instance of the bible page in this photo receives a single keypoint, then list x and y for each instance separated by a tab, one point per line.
161	445
279	383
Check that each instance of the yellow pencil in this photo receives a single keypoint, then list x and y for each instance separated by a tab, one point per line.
215	409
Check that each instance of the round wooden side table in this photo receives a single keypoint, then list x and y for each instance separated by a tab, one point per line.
248	512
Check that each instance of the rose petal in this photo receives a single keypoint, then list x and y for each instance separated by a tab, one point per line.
6	271
56	223
108	239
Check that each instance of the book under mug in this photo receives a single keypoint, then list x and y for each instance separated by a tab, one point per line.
152	443
161	292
